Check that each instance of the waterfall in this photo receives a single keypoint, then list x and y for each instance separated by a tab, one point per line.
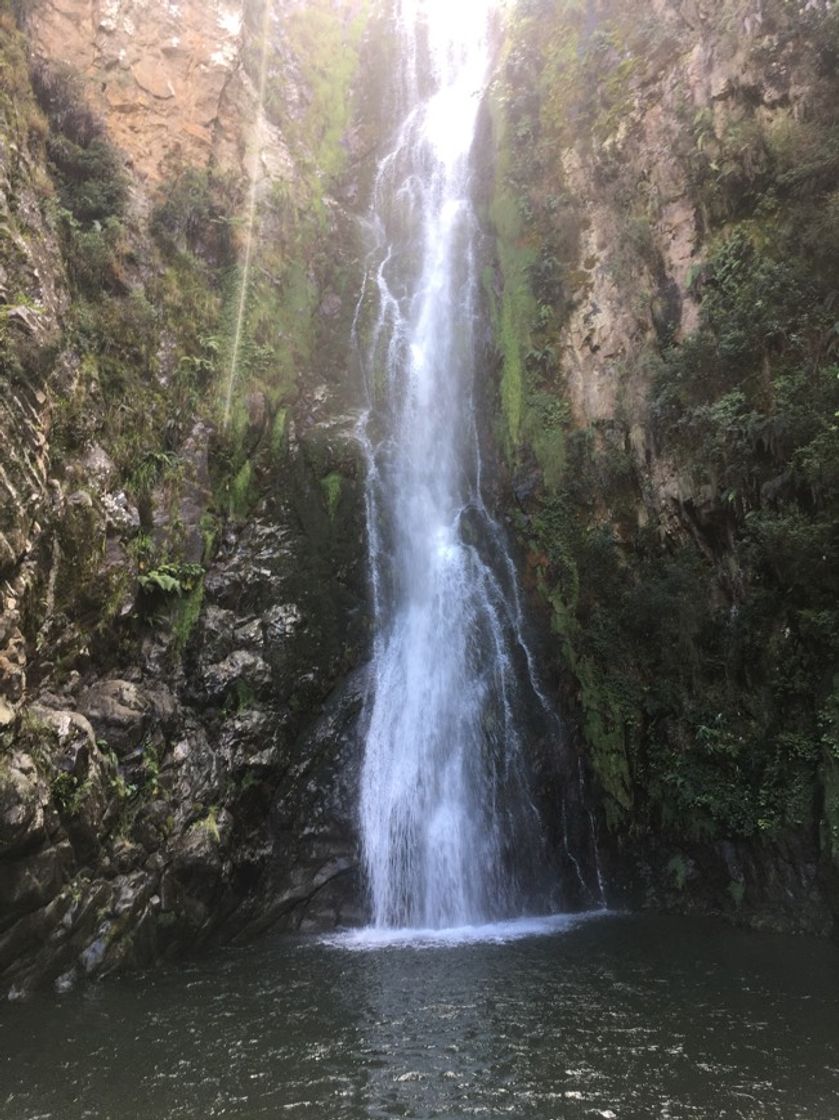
450	833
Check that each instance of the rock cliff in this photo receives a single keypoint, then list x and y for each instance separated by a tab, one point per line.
182	596
181	582
664	210
167	79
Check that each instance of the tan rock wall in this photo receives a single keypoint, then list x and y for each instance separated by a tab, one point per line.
611	321
160	72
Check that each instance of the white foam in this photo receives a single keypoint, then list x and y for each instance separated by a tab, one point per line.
371	938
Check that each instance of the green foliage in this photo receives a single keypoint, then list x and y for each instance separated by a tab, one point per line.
20	118
91	254
172	579
151	769
122	789
189	611
90	179
64	788
118	400
332	485
86	166
154	468
195	215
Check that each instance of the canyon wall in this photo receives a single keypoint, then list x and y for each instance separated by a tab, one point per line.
664	203
183	609
182	585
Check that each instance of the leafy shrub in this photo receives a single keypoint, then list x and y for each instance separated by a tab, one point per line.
172	579
196	213
92	255
86	166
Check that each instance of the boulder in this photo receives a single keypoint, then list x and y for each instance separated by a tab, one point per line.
13	669
84	787
34	880
217	634
99	467
121	516
23	797
119	712
241	669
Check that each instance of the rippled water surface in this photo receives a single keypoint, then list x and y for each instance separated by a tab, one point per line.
638	1018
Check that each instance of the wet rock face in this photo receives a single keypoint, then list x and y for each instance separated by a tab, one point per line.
23	804
140	792
165	646
138	815
777	887
33	298
312	877
118	711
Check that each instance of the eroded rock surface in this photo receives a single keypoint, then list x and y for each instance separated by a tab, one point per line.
178	599
167	77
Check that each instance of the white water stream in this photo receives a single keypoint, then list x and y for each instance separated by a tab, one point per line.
451	837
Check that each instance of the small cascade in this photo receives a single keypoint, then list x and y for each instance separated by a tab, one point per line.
451	835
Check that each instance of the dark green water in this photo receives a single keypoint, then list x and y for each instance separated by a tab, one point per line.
640	1017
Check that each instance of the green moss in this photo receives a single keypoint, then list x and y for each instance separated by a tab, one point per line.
278	432
604	724
737	892
241	491
187	615
677	868
513	311
326	44
332	486
209	535
241	697
329	47
210	825
545	429
18	112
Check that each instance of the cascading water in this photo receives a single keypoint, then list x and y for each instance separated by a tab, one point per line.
450	833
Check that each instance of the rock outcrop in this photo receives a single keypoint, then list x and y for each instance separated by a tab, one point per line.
168	79
181	598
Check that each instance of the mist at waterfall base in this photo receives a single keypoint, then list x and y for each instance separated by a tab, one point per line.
452	838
